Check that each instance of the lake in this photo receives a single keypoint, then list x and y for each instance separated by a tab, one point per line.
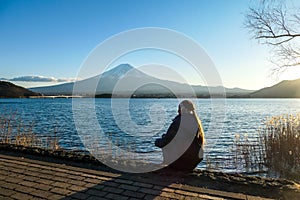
134	124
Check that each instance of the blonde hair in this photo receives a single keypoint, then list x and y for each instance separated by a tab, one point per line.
188	107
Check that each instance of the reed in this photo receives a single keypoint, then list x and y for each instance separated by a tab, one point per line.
14	131
281	143
275	151
248	155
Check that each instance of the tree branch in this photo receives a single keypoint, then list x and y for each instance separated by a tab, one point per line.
288	36
271	24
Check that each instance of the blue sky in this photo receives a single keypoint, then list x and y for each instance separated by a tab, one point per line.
51	38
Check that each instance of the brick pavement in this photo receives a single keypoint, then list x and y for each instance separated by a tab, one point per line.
24	178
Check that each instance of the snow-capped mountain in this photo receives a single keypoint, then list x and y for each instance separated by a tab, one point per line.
126	80
121	71
105	82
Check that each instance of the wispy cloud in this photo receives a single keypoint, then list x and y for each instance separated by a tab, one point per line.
40	79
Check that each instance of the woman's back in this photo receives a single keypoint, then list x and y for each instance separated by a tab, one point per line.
184	152
184	139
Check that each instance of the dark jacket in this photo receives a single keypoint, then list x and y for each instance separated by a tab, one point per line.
180	144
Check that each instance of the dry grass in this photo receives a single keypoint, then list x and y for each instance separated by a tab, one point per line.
274	151
248	155
281	143
121	155
14	131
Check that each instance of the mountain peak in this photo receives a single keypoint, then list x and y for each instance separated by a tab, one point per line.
124	66
119	70
123	71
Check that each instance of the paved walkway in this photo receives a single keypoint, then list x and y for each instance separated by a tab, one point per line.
24	178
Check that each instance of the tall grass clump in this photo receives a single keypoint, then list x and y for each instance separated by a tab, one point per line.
248	154
274	151
281	143
6	128
14	131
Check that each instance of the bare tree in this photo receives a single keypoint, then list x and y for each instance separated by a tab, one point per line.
277	24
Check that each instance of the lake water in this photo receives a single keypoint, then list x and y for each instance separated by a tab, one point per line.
134	124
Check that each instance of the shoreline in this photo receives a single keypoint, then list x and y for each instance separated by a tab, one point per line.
230	182
140	97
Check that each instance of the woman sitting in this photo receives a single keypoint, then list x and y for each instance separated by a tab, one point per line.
182	145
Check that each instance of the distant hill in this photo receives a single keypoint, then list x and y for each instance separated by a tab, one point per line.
284	89
130	77
10	90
